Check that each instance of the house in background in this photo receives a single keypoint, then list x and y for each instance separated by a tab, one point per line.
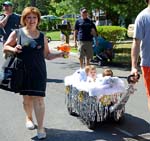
100	17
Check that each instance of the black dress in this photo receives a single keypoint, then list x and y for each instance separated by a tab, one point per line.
34	81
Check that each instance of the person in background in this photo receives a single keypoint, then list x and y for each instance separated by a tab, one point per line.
33	50
64	22
8	20
83	33
102	47
140	45
97	22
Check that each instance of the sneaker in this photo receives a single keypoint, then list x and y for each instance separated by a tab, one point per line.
41	134
30	125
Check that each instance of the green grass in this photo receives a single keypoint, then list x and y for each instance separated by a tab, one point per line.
54	35
122	53
74	50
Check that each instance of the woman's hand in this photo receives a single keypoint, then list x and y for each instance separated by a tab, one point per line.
64	54
18	49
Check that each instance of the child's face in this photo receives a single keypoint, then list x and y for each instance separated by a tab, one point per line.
92	73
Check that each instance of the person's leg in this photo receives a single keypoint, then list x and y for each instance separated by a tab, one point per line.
146	76
39	109
28	107
88	61
81	63
89	51
81	53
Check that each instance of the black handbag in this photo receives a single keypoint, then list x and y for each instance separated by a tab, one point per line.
11	74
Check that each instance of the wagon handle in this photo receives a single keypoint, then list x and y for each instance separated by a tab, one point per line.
132	78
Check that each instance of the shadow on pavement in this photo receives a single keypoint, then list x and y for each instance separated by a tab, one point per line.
54	80
105	131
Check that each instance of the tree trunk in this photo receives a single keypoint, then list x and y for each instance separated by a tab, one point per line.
67	39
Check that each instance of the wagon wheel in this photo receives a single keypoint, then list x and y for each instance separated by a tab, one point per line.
116	118
71	110
91	124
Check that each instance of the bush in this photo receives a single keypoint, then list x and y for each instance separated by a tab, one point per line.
72	22
43	25
112	33
48	25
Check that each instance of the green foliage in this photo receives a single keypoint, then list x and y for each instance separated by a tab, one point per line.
43	25
43	6
128	9
114	8
72	21
61	8
112	33
48	25
19	5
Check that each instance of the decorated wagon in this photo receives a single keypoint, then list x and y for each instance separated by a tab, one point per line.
98	101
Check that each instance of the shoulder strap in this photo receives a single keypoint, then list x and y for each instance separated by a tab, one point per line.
2	16
18	33
42	36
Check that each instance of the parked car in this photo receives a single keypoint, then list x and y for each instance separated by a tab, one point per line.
130	30
76	16
50	17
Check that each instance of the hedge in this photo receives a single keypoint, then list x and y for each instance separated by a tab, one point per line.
112	33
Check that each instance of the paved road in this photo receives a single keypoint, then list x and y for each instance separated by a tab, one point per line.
60	125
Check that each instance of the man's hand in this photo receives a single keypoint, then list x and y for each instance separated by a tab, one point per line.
135	75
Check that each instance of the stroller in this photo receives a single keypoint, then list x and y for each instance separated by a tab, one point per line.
97	103
103	51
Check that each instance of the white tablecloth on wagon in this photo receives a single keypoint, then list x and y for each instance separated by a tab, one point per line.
102	86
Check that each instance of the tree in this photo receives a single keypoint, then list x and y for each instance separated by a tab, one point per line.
33	2
44	5
125	8
115	8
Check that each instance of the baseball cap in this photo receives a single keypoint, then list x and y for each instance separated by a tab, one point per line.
83	9
9	3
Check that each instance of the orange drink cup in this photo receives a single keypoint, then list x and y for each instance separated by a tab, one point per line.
65	48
